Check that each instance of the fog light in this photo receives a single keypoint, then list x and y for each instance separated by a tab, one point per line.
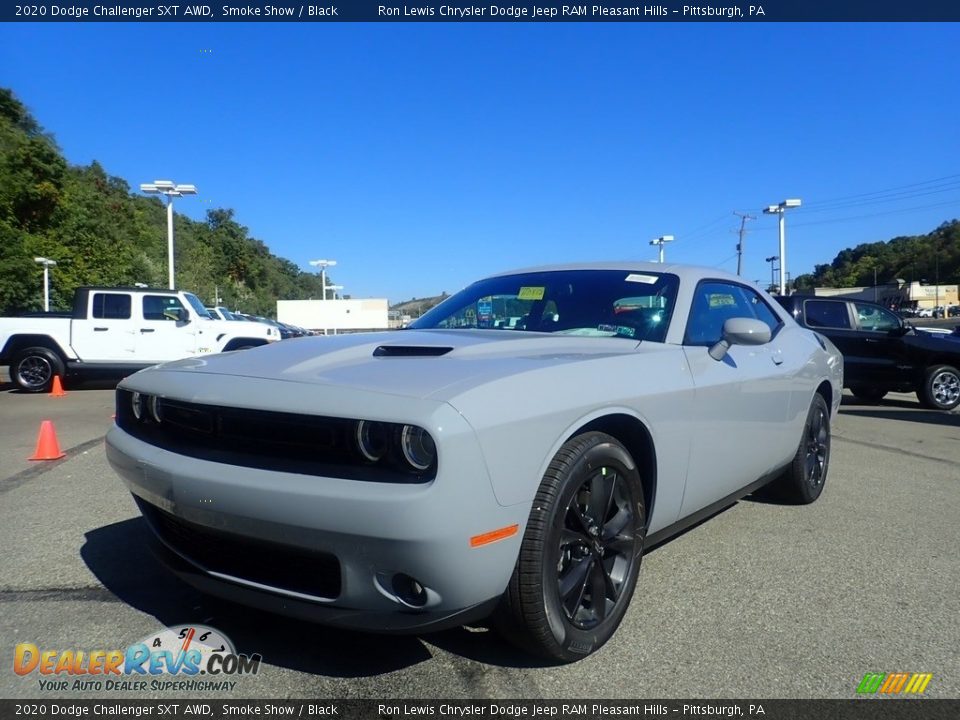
409	590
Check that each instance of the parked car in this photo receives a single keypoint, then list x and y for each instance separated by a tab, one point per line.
115	331
881	352
422	478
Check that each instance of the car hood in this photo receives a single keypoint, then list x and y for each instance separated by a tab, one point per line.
413	363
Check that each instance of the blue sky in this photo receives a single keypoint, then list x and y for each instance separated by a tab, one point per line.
423	156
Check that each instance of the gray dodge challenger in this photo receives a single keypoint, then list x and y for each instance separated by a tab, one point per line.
509	455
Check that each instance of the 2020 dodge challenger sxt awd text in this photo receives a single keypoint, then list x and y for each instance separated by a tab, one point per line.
511	453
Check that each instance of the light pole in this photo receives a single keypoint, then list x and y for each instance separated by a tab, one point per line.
47	264
772	259
334	288
781	210
660	241
171	190
323	265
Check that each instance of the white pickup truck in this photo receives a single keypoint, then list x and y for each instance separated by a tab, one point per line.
113	332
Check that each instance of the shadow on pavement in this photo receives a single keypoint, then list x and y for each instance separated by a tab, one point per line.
120	558
928	417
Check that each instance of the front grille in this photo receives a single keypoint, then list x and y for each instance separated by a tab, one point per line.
262	439
280	566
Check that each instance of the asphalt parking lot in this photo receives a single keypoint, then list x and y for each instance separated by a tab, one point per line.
760	601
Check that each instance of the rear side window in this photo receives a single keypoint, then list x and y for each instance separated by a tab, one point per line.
110	306
826	313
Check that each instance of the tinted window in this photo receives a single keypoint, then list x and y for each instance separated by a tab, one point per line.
110	306
161	307
716	302
761	310
826	313
872	317
589	303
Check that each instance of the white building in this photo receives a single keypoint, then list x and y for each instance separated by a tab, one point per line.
335	316
898	294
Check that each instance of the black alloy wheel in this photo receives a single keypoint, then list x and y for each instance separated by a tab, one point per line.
580	554
804	479
596	548
33	369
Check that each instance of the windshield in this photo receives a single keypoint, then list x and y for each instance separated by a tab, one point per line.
198	307
594	303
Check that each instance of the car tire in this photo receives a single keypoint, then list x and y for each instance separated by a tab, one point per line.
33	369
868	394
585	534
941	388
803	480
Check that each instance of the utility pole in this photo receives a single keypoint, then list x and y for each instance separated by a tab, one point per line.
743	231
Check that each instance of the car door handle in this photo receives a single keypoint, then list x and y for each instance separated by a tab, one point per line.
96	329
776	356
146	330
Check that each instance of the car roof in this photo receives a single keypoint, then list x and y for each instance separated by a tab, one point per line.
683	271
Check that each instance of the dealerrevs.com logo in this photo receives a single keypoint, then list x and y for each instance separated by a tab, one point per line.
172	659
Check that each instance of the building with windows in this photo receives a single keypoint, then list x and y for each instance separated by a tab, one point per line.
898	294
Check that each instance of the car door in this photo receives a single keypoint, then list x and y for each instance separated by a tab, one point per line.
833	319
162	335
739	428
880	334
107	333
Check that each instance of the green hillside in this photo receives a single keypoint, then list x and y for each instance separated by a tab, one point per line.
101	234
934	257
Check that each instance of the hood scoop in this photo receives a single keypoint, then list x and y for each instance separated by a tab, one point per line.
411	351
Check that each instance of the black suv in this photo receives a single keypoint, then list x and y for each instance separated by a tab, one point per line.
882	352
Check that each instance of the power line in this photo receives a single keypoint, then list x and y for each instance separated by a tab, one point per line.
743	232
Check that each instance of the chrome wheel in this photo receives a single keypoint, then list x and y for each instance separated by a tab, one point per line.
596	548
945	388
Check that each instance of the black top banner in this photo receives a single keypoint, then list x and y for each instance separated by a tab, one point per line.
460	11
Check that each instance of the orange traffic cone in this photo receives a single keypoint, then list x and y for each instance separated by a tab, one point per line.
57	389
47	446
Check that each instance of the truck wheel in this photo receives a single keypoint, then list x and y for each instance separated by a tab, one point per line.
941	388
33	369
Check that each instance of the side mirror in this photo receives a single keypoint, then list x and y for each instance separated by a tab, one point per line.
740	331
183	315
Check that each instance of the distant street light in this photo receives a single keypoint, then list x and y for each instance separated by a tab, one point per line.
334	288
660	241
323	265
781	210
47	264
170	190
772	259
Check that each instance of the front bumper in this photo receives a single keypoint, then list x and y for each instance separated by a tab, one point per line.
330	550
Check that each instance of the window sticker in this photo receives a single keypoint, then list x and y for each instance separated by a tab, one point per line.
646	279
531	293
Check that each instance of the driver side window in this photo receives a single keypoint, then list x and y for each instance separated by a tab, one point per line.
871	317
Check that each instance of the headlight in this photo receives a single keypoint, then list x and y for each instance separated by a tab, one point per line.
136	404
418	448
154	405
372	439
